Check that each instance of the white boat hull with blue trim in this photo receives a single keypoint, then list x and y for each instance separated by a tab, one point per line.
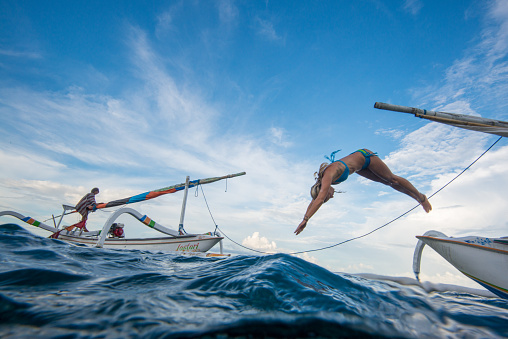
175	242
191	243
485	260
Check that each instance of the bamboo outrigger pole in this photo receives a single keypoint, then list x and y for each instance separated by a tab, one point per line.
170	189
497	127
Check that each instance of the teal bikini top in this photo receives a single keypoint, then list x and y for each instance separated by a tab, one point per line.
343	177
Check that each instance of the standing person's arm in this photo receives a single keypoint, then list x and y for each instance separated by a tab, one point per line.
91	204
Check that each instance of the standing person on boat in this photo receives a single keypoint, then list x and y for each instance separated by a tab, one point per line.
365	163
85	206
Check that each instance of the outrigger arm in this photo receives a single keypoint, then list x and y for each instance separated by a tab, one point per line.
143	218
479	124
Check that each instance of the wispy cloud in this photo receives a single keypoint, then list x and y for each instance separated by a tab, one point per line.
20	54
266	29
159	131
480	78
164	22
278	136
228	12
496	37
392	133
413	6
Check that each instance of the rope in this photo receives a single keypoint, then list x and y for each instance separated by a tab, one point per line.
465	169
206	202
370	232
217	226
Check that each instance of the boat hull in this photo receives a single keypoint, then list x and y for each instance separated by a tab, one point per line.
485	260
189	243
200	243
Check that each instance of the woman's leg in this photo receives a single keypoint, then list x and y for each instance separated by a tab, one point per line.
378	171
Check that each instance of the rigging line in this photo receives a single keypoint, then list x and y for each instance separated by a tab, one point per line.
217	226
380	227
61	215
465	169
248	248
206	202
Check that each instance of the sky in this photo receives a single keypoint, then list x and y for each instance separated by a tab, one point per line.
135	96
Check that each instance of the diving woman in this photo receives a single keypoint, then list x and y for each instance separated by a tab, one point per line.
365	163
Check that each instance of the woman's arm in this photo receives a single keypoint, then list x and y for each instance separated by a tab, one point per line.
315	204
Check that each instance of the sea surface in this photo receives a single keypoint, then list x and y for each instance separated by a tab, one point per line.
51	289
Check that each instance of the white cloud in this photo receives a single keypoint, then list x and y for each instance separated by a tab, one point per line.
20	54
308	257
497	36
259	243
413	6
26	164
481	76
357	268
165	21
267	30
228	12
447	277
461	106
391	133
278	136
434	149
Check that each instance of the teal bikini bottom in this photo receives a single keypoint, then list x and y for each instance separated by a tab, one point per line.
367	156
345	174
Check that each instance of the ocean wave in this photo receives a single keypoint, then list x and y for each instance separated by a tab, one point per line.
49	288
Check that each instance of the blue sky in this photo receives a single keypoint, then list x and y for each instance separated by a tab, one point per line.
135	96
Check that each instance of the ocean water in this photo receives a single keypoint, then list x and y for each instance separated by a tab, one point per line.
51	289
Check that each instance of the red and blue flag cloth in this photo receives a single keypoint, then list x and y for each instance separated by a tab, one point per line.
166	190
147	195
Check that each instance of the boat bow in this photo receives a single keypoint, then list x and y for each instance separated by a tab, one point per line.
485	260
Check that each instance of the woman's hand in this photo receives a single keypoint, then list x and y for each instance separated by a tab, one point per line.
301	227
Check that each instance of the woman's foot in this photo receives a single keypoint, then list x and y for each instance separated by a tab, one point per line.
425	203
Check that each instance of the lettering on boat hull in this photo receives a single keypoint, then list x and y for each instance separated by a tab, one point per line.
188	247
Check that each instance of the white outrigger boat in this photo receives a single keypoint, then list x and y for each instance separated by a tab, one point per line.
112	236
484	260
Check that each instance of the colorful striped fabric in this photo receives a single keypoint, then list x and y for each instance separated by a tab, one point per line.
166	190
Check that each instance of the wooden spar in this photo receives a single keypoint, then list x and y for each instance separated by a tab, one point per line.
485	125
456	118
451	121
201	181
166	190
